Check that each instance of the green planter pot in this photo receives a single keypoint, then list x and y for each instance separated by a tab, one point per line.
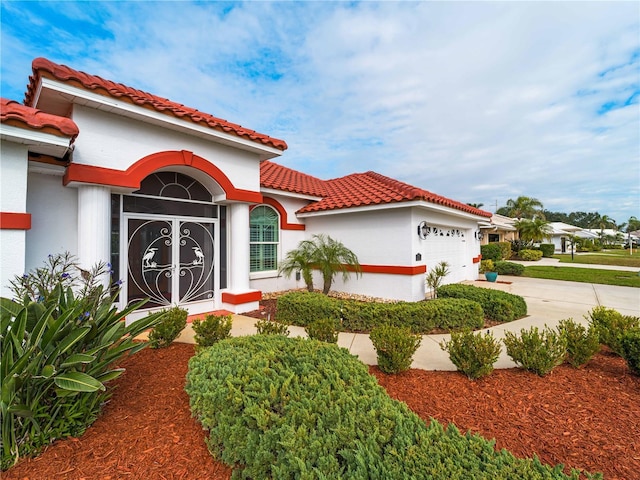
491	276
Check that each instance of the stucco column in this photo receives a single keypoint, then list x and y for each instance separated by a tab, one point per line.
94	225
239	247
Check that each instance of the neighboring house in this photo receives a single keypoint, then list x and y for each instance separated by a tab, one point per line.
190	210
608	235
498	229
561	234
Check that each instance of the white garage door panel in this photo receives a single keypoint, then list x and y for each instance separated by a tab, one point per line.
451	249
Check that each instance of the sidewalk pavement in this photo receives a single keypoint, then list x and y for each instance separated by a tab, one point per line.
548	302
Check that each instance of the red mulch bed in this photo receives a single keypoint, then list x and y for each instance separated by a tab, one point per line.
588	418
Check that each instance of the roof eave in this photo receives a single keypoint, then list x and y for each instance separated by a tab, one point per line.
80	96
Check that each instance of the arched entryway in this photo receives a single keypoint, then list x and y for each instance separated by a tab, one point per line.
170	247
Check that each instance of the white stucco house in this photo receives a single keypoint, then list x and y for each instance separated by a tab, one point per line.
191	209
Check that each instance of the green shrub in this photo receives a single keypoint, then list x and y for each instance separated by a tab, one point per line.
272	327
168	329
422	317
509	268
630	347
505	250
487	266
213	329
395	347
60	343
277	407
302	308
472	354
538	352
582	343
491	251
610	325
497	305
325	330
547	249
435	277
530	255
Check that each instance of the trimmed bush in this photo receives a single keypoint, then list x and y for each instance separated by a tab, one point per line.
487	266
473	354
168	329
422	317
277	407
530	255
547	249
325	330
302	308
505	249
509	268
395	347
582	343
213	329
611	325
268	327
491	251
497	305
538	352
630	347
60	344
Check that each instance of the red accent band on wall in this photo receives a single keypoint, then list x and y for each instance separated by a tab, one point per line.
392	269
132	176
284	220
477	259
15	221
240	298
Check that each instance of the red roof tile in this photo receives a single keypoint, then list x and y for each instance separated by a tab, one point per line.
44	67
18	115
278	177
355	190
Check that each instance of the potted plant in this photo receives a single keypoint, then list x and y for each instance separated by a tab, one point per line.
489	269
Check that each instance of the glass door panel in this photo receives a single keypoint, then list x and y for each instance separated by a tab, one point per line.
196	269
150	261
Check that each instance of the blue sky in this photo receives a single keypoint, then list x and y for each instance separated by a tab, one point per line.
477	101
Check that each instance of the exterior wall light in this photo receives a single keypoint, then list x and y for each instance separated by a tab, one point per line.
479	235
423	230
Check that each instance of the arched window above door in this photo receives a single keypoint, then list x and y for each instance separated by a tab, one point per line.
174	185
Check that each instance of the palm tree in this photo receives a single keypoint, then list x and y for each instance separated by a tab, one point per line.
476	205
299	260
533	230
330	257
325	254
524	207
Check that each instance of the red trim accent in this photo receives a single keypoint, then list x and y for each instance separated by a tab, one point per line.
392	269
132	176
15	221
240	298
284	220
477	259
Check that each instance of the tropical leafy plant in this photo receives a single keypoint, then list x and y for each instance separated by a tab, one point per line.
61	339
533	230
436	276
522	207
325	254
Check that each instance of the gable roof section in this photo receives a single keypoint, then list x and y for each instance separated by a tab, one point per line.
21	116
46	68
355	190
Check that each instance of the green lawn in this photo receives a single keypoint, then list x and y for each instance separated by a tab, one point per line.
610	257
586	275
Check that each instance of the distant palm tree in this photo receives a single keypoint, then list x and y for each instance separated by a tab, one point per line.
476	205
524	207
533	230
325	254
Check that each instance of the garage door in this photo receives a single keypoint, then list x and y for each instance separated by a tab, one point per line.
449	245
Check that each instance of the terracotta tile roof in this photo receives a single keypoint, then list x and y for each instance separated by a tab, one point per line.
278	177
355	190
18	115
46	68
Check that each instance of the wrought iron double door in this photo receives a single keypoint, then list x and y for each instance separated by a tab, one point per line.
170	260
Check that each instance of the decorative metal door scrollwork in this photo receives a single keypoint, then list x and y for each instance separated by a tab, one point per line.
170	261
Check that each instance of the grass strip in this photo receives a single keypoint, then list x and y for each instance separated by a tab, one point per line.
585	275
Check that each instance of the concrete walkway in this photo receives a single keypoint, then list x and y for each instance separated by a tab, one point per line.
548	302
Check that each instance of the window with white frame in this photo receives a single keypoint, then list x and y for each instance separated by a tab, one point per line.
264	237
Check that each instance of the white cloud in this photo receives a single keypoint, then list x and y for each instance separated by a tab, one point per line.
477	101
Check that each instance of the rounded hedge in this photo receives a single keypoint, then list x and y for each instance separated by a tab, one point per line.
278	407
497	305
